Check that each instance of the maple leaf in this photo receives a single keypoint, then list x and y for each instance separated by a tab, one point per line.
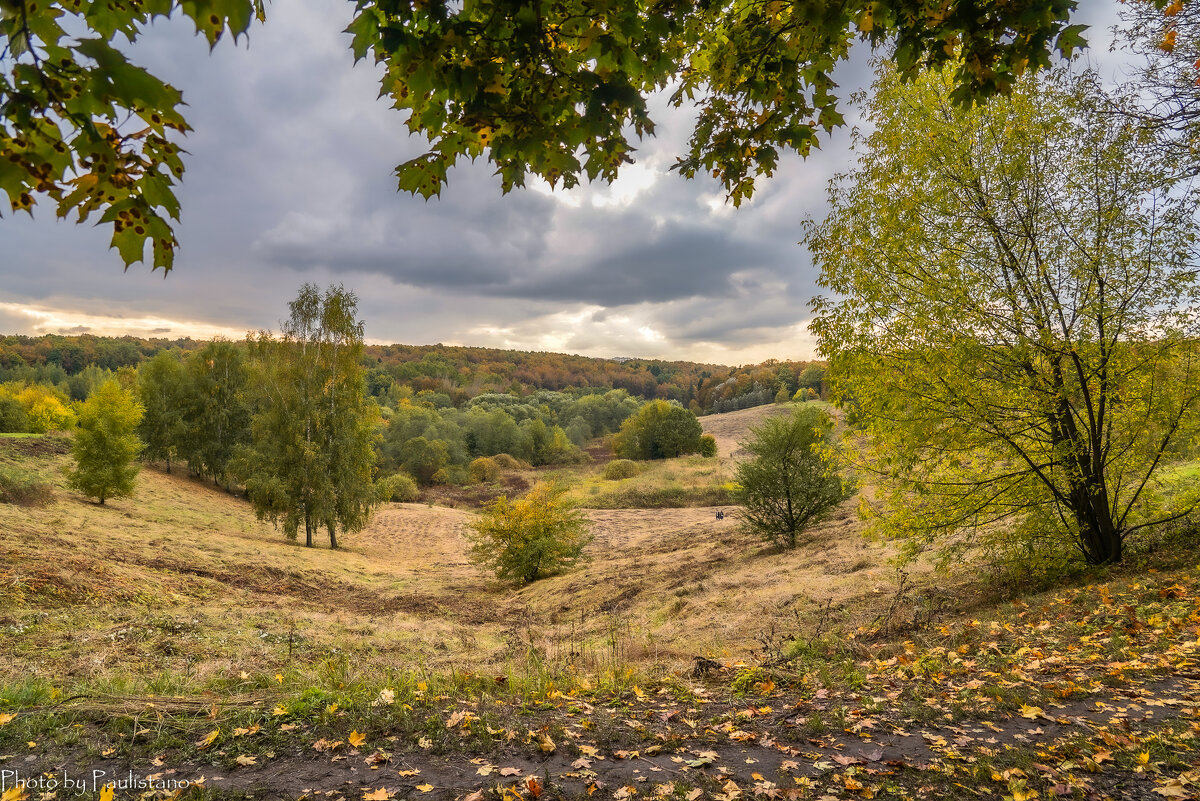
208	739
1032	712
510	771
356	738
107	793
534	787
475	796
246	760
424	788
6	717
377	795
407	773
17	793
279	709
546	744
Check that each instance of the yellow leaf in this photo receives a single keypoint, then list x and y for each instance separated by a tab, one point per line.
107	793
279	709
279	678
331	708
6	717
246	760
407	773
424	788
14	794
379	795
208	739
866	22
356	739
1032	712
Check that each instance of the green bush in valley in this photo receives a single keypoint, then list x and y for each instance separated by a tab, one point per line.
792	481
483	469
399	488
708	446
13	419
659	430
523	540
509	462
618	469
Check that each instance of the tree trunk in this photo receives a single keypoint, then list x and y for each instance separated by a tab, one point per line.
1097	530
168	464
333	537
308	527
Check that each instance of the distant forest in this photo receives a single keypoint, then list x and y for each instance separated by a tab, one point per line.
454	374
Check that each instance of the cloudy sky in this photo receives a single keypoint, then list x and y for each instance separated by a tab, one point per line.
290	180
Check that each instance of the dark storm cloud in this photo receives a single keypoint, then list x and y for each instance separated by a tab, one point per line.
290	179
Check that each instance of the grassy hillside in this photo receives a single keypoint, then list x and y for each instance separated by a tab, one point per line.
171	634
182	581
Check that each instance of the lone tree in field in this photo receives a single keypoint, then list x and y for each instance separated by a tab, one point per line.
791	482
523	540
1015	316
106	445
311	457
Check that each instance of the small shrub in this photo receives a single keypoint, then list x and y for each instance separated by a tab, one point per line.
523	540
509	462
618	469
708	446
400	487
23	488
484	469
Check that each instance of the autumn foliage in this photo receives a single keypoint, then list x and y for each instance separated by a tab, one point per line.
526	539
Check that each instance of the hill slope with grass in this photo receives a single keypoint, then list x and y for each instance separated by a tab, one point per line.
173	634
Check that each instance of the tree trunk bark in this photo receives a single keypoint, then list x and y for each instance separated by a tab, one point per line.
308	527
333	537
1097	530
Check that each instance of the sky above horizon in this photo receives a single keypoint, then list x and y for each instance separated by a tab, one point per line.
290	180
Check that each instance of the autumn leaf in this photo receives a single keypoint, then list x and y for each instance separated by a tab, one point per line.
246	760
407	773
6	717
14	794
208	739
107	793
424	788
1032	712
510	771
279	709
534	787
356	738
377	795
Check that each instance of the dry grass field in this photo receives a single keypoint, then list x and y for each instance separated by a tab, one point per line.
180	588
